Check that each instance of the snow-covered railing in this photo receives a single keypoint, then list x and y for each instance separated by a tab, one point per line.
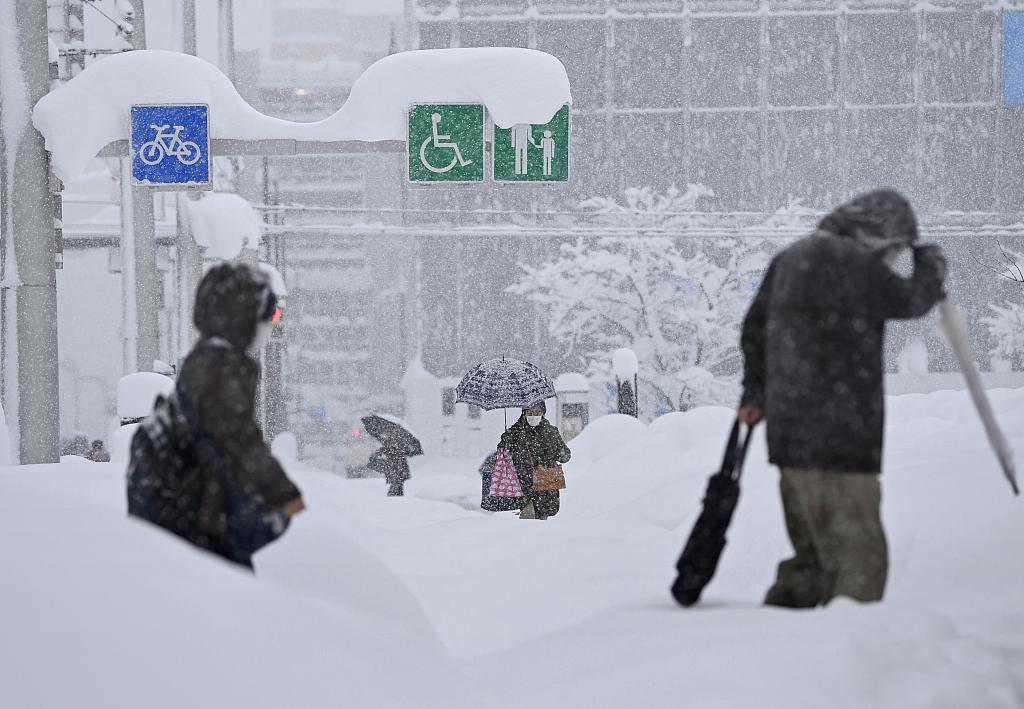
80	119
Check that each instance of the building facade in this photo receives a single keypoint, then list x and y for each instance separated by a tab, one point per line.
768	103
765	101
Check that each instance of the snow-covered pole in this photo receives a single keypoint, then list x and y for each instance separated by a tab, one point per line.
190	256
226	24
188	26
147	284
31	394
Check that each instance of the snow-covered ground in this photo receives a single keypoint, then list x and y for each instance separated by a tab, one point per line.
426	601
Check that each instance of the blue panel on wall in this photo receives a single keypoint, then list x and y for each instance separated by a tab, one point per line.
1013	58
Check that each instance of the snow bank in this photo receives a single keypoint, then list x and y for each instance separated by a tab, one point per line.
224	223
604	436
113	605
369	598
285	448
92	110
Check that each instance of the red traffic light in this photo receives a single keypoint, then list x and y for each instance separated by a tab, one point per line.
277	315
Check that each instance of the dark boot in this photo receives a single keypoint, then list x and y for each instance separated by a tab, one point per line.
798	584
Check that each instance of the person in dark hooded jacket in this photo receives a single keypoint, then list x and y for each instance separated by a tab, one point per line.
532	442
226	468
393	464
813	369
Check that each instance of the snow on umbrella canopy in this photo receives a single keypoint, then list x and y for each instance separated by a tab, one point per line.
392	432
504	383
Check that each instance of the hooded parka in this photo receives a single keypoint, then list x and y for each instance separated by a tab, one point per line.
813	338
218	384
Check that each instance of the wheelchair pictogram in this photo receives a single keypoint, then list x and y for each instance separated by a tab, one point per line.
441	141
168	144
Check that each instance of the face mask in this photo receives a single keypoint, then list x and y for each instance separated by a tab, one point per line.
262	336
534	420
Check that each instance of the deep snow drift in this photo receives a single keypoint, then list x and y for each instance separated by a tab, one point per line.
426	601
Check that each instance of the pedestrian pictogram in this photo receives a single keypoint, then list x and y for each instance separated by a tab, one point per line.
171	144
446	142
533	153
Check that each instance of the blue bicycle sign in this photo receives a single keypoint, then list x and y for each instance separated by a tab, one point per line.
171	145
166	144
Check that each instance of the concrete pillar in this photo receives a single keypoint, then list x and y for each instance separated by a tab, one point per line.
31	393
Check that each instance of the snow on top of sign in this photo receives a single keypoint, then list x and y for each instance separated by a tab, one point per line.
224	223
82	116
137	392
571	382
625	363
516	86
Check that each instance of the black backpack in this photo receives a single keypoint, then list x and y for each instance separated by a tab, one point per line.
174	465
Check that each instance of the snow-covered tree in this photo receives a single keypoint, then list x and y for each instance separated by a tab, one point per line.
677	301
1006	324
642	207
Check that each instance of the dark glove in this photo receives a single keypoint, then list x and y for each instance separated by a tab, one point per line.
930	256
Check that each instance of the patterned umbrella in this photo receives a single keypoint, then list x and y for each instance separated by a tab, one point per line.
502	383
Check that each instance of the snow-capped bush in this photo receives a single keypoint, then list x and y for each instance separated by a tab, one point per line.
1006	326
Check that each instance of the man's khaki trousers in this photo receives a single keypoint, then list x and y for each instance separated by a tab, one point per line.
835	526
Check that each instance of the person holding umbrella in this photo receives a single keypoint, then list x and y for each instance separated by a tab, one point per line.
397	444
392	464
537	447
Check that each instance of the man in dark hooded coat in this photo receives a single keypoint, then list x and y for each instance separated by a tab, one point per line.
533	441
204	448
813	368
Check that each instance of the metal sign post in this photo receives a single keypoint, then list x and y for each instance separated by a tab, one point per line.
169	149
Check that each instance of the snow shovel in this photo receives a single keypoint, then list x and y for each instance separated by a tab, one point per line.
953	325
704	547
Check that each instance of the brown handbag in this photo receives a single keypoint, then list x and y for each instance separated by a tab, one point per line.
548	478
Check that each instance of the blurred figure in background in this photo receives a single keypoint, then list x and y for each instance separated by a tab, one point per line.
98	453
393	465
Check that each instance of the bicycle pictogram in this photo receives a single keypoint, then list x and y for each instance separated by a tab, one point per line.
167	144
438	141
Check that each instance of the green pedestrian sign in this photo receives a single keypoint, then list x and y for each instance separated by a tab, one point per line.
445	142
533	153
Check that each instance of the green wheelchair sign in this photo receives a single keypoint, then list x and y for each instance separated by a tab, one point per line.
446	142
533	153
